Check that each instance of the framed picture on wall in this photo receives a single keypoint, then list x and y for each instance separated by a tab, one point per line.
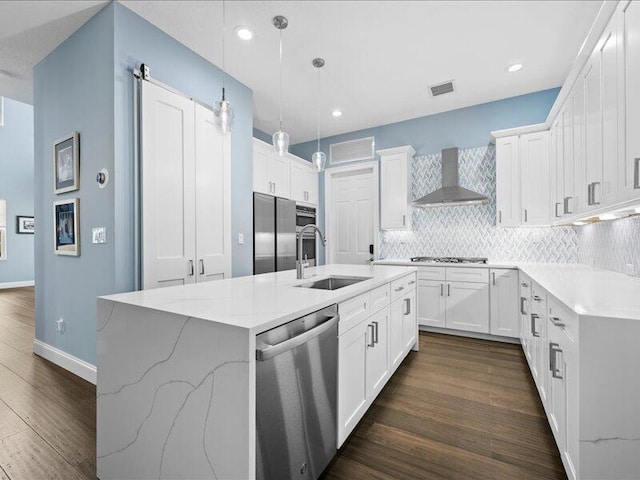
3	243
66	223
26	225
66	164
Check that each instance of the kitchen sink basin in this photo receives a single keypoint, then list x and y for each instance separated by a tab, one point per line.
333	282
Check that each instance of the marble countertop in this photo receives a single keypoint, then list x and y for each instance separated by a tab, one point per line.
260	302
406	261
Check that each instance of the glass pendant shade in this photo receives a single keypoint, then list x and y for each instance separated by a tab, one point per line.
281	142
223	115
319	161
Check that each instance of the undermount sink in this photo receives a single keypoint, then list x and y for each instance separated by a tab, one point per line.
333	282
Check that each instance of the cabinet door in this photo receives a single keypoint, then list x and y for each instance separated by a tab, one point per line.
534	166
557	167
467	306
568	168
607	192
213	199
630	174
409	325
279	175
431	303
312	186
508	182
262	154
378	353
579	189
525	312
352	378
168	193
593	127
394	214
298	181
557	389
396	345
505	319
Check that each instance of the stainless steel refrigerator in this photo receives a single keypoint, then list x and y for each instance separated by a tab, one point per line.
274	234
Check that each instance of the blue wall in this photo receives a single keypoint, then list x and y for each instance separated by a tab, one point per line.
260	135
16	187
463	128
85	84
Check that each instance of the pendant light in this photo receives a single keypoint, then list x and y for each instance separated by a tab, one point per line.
280	138
318	159
222	111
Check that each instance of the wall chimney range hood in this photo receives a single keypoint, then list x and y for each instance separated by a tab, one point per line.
451	194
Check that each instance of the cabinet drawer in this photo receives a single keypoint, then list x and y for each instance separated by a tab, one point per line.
467	274
380	297
353	311
563	317
431	273
401	286
538	299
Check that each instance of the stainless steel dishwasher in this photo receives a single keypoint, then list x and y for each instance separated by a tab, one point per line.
296	395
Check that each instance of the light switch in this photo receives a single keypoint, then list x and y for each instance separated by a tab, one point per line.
99	235
241	239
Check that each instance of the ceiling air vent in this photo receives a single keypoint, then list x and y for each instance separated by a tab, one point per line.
360	149
441	89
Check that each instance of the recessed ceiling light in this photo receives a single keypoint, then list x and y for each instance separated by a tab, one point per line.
245	33
337	113
514	68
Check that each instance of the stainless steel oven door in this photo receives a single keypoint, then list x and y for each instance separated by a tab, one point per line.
308	249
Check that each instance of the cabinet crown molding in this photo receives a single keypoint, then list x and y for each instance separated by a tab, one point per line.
405	149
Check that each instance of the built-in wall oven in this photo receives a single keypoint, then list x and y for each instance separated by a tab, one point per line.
306	216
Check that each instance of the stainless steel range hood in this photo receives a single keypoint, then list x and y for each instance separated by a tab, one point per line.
450	194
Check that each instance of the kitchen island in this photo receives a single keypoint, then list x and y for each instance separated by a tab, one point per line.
177	371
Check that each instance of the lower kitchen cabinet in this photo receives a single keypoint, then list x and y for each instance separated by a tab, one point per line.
468	306
504	287
431	303
371	350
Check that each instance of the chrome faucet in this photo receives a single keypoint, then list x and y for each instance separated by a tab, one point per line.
300	265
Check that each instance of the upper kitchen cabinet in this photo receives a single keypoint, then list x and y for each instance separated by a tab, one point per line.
535	179
629	27
271	173
304	181
395	197
508	202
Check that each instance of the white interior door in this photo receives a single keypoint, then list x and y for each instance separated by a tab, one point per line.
352	216
168	196
213	198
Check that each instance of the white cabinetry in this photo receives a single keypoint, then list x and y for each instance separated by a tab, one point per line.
508	193
186	215
271	172
304	181
535	178
395	196
376	331
504	317
431	303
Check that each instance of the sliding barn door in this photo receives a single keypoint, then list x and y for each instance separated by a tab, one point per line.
213	199
168	193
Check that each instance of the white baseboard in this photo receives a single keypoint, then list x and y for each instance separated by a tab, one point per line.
68	362
462	333
29	283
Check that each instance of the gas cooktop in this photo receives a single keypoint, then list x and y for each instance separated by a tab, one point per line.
449	259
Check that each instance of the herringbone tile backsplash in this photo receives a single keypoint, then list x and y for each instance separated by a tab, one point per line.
471	231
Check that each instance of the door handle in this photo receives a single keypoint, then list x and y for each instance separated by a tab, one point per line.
404	220
499	216
448	289
191	269
554	349
522	302
493	278
407	305
636	173
375	332
589	194
526	215
442	289
568	205
373	343
557	321
534	331
595	184
399	289
558	206
201	266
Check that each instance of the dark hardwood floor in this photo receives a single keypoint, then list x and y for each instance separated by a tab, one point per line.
458	409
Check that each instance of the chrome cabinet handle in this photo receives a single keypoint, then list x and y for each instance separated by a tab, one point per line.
201	266
554	349
493	278
526	216
442	289
536	298
524	284
373	343
636	173
590	194
399	289
557	321
568	205
191	269
534	331
596	184
448	289
404	220
407	304
558	206
412	282
375	331
499	216
522	301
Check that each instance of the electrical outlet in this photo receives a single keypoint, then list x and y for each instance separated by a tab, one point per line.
99	235
60	325
241	239
630	269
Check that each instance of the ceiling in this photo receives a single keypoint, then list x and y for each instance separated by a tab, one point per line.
380	55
